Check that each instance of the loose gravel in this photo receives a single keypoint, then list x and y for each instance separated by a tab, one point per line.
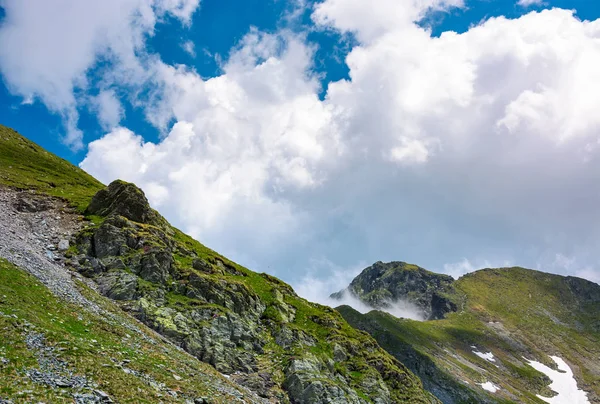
31	228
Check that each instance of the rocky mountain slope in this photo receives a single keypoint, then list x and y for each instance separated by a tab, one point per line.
85	243
505	323
381	285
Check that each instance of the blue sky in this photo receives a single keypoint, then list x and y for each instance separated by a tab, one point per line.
317	137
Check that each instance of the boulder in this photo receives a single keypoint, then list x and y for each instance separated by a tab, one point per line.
124	199
118	285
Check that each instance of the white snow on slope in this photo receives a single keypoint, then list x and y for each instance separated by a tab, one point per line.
487	356
489	386
563	383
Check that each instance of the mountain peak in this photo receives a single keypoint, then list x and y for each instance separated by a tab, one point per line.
383	284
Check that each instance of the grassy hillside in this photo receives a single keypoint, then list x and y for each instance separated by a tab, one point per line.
512	313
250	325
25	165
129	366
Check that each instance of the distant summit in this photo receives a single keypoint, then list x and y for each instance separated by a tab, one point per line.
383	284
498	335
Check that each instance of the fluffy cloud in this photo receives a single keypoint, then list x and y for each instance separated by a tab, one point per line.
369	20
47	48
242	142
480	145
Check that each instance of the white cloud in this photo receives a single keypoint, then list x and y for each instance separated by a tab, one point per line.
47	48
189	47
369	20
482	144
242	140
315	288
466	145
529	3
109	108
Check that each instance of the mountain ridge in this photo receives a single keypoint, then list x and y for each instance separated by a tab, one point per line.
510	316
250	326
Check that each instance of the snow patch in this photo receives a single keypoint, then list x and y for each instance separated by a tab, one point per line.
487	356
563	383
489	386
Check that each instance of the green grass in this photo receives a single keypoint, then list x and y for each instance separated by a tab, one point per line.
25	165
88	343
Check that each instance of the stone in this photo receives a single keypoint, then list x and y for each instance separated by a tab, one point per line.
118	285
63	245
112	263
108	241
155	267
339	353
201	265
103	396
124	199
31	205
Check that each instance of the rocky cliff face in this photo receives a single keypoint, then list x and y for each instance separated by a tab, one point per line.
383	284
250	326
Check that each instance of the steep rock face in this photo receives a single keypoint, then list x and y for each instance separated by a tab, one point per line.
382	284
249	325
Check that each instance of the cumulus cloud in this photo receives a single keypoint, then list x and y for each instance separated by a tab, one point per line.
242	141
47	48
370	20
479	144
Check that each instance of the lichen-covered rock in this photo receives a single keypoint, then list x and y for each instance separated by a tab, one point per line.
124	199
109	241
202	265
288	337
155	267
306	383
118	285
253	327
